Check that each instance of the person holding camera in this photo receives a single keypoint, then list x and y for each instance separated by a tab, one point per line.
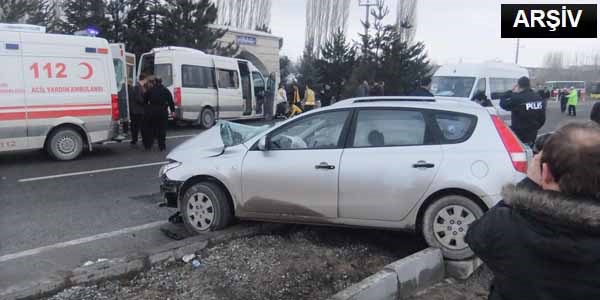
543	240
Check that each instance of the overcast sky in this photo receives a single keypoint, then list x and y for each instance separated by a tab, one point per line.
467	30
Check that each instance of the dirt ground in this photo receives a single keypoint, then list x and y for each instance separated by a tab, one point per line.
474	288
300	262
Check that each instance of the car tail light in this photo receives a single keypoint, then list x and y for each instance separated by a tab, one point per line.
512	144
177	96
114	107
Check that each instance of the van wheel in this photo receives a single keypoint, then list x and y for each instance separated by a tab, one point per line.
445	225
205	207
65	144
207	118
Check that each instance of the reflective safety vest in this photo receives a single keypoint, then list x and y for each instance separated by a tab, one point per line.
310	97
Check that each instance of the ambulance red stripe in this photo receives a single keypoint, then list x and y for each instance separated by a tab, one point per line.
55	114
51	106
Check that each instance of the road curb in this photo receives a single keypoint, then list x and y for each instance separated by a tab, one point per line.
399	279
127	266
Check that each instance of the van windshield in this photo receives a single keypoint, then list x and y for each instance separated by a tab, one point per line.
452	86
165	72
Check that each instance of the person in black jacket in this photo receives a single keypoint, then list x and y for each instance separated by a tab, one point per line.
157	99
595	114
543	240
136	108
528	110
424	88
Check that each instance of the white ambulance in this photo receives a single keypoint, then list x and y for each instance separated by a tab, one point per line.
57	92
207	87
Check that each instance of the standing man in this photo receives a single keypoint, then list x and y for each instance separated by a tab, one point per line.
309	98
573	98
542	241
326	96
528	110
424	88
136	107
158	100
282	102
363	89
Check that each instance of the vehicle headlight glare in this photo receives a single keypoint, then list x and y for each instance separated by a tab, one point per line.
168	167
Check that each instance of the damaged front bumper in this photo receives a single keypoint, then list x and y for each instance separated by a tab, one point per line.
169	190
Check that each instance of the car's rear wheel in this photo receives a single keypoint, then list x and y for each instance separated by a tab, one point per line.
65	144
445	224
205	207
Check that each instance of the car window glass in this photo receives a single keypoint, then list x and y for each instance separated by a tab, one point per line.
481	85
228	79
379	128
164	72
455	127
197	77
321	131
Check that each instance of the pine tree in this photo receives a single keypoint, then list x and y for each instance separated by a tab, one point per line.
338	58
81	14
387	57
308	69
403	64
35	12
139	34
186	23
117	11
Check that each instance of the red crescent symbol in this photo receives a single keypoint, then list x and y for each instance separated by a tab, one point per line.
90	70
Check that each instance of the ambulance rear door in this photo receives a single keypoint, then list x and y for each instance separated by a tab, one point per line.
120	64
13	121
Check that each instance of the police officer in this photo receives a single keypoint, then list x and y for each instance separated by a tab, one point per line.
157	99
528	110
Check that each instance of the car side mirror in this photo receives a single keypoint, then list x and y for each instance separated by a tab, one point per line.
262	143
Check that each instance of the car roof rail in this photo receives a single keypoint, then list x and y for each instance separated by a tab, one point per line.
390	99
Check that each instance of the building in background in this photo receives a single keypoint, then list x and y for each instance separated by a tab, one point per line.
261	48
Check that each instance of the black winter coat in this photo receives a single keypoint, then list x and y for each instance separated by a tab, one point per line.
421	92
540	245
136	100
158	99
528	113
595	114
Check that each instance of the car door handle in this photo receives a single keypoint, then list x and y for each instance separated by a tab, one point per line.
325	166
423	164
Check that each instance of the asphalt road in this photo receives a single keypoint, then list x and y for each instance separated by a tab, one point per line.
49	224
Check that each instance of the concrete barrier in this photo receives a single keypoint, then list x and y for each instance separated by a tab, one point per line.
399	279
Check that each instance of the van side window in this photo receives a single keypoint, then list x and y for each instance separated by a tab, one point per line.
499	86
228	79
197	77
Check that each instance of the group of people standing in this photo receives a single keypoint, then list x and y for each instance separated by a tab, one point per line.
149	105
569	98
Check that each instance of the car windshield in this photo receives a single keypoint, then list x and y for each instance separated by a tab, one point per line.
452	86
234	134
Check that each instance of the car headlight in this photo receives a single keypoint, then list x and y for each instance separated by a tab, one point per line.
168	167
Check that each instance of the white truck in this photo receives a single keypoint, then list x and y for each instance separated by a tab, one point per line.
465	80
57	92
207	87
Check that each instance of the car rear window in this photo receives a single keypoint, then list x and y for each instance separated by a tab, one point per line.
455	127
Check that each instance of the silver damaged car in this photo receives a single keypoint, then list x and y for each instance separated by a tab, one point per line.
399	163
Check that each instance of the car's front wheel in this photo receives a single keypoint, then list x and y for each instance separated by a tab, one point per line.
445	224
205	207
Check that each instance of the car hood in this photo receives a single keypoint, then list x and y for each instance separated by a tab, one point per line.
214	141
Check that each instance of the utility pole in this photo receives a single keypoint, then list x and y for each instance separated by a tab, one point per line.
367	4
517	53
